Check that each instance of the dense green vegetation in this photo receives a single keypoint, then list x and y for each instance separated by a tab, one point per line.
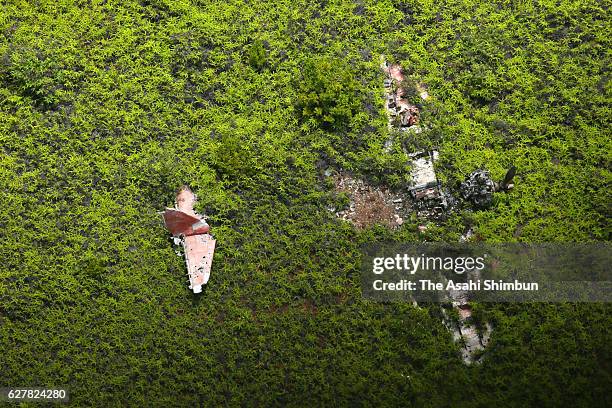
107	107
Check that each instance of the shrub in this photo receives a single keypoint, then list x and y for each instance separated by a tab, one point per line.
257	55
328	93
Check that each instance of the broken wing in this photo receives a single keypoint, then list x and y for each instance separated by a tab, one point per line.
181	223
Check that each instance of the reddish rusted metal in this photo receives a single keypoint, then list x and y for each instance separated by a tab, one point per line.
191	229
398	107
181	223
395	72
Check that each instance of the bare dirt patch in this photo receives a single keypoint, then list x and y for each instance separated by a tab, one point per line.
370	205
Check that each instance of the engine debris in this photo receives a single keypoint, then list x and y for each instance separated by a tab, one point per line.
479	187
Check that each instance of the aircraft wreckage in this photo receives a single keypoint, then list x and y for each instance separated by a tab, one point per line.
424	195
190	230
431	197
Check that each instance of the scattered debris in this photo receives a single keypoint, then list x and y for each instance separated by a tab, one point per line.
473	342
422	92
371	205
190	230
463	329
464	332
424	181
506	184
401	113
479	187
427	197
467	236
431	200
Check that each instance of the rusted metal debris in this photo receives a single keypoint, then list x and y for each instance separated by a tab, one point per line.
190	230
400	111
479	186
